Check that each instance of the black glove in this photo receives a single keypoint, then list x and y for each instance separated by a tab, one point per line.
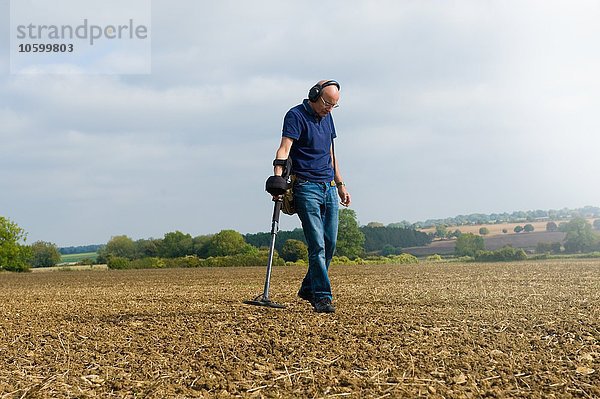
276	185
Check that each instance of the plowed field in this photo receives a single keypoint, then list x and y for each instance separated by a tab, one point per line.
528	329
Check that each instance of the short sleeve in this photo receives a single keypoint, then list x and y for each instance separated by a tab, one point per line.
291	125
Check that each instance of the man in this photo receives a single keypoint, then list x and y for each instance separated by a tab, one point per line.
307	137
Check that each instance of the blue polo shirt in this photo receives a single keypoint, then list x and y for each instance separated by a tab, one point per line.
312	135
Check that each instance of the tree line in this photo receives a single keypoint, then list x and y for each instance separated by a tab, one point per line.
79	249
505	217
354	240
354	243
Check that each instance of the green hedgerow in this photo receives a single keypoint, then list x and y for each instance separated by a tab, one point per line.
501	255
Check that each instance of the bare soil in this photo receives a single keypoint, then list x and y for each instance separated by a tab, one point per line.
527	329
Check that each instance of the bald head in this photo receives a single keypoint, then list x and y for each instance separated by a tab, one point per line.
331	85
325	96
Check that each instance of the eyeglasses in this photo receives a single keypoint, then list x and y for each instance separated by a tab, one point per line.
327	104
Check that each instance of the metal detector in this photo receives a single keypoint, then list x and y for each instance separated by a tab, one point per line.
263	299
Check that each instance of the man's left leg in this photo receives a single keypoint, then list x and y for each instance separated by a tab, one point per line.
330	219
330	224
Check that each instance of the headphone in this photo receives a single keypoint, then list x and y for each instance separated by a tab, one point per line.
315	92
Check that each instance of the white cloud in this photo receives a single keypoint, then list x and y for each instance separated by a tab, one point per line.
446	108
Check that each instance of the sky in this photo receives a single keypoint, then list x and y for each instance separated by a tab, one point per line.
446	108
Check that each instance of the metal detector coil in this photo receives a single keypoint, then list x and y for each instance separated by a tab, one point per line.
263	299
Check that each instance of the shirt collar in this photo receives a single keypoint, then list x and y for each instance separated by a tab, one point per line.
309	110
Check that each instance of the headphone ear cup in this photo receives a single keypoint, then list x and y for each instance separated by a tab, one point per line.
314	92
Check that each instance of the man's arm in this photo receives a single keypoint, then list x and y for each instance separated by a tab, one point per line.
339	182
283	152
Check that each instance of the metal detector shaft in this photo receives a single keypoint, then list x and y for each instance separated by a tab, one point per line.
274	231
276	186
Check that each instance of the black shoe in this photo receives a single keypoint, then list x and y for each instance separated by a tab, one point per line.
324	305
307	296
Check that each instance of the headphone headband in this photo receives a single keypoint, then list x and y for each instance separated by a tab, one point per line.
315	92
330	83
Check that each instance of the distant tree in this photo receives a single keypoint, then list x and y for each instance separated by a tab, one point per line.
388	250
556	247
351	239
201	245
44	254
543	247
484	231
14	255
405	224
547	247
263	240
82	249
528	228
518	229
375	224
551	226
118	246
377	238
468	244
147	248
228	242
596	224
441	231
562	227
176	244
580	237
294	250
455	234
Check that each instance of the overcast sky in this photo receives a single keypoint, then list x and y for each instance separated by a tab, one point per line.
447	108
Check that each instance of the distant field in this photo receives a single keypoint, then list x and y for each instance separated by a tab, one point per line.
496	229
69	268
527	241
78	257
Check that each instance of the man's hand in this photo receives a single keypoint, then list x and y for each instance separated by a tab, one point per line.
344	196
276	185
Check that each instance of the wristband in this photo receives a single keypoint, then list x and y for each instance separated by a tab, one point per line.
340	184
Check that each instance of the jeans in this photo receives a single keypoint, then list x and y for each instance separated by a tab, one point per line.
317	207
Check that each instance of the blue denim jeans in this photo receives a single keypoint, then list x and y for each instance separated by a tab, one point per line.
317	207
